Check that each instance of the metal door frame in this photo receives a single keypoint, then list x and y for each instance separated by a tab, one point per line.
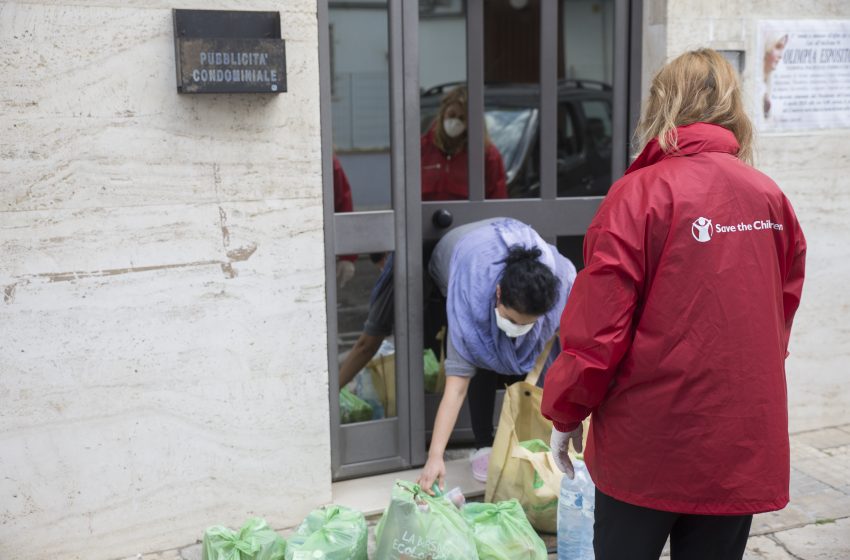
380	445
404	228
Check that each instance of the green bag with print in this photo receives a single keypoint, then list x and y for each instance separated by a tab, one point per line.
417	525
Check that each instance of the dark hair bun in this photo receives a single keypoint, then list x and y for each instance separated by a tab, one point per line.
528	285
518	253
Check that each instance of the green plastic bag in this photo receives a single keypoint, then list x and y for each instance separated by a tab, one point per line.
330	533
352	408
502	532
417	525
254	541
432	371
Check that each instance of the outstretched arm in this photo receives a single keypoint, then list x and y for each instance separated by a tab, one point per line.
365	347
450	405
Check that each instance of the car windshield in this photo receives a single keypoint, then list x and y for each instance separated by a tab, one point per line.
507	128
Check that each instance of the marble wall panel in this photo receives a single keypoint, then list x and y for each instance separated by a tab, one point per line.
146	403
98	121
163	364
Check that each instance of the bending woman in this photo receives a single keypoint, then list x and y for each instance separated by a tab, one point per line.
505	289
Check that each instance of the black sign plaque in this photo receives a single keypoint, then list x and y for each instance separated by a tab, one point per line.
229	52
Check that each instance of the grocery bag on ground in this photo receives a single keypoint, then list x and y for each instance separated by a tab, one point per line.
254	541
417	525
502	532
514	471
330	533
382	368
352	408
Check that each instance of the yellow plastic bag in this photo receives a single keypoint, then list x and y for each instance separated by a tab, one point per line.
514	471
435	370
382	369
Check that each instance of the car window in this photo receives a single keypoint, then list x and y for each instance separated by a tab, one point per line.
507	128
598	118
569	142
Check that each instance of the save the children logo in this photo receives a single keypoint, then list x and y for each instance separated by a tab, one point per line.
704	229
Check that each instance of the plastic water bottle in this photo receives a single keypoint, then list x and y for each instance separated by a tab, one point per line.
575	516
588	513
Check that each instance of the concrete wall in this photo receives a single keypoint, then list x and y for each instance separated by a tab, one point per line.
162	364
811	167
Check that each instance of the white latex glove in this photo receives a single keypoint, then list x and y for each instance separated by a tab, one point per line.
560	445
344	272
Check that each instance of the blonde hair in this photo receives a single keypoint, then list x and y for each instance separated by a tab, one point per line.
458	96
697	86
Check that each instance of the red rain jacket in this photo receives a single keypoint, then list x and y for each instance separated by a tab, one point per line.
446	177
342	198
675	334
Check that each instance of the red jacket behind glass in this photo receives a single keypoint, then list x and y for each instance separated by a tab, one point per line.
675	335
342	197
446	177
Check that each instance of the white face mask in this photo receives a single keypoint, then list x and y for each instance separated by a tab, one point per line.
509	327
454	127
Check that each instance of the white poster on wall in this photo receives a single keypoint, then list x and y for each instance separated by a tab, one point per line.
805	77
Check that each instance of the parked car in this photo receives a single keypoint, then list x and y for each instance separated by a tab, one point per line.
512	116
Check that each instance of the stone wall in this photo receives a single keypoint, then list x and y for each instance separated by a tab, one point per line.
812	168
163	364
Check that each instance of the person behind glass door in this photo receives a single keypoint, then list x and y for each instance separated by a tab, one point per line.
445	176
343	203
675	335
445	159
505	288
379	322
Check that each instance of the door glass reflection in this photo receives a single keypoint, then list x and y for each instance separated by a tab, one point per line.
586	71
365	311
512	93
360	105
360	108
444	110
512	90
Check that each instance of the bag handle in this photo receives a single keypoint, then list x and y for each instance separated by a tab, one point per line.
544	465
441	374
535	372
441	336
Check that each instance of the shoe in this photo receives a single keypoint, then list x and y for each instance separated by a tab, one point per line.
480	460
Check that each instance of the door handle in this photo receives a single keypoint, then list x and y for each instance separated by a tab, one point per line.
442	218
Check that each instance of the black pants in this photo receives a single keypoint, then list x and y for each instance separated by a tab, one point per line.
481	396
622	531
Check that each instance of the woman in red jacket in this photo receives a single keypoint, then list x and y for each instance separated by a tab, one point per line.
445	160
676	333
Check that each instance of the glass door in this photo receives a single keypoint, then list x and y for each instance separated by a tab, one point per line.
543	90
545	95
367	249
